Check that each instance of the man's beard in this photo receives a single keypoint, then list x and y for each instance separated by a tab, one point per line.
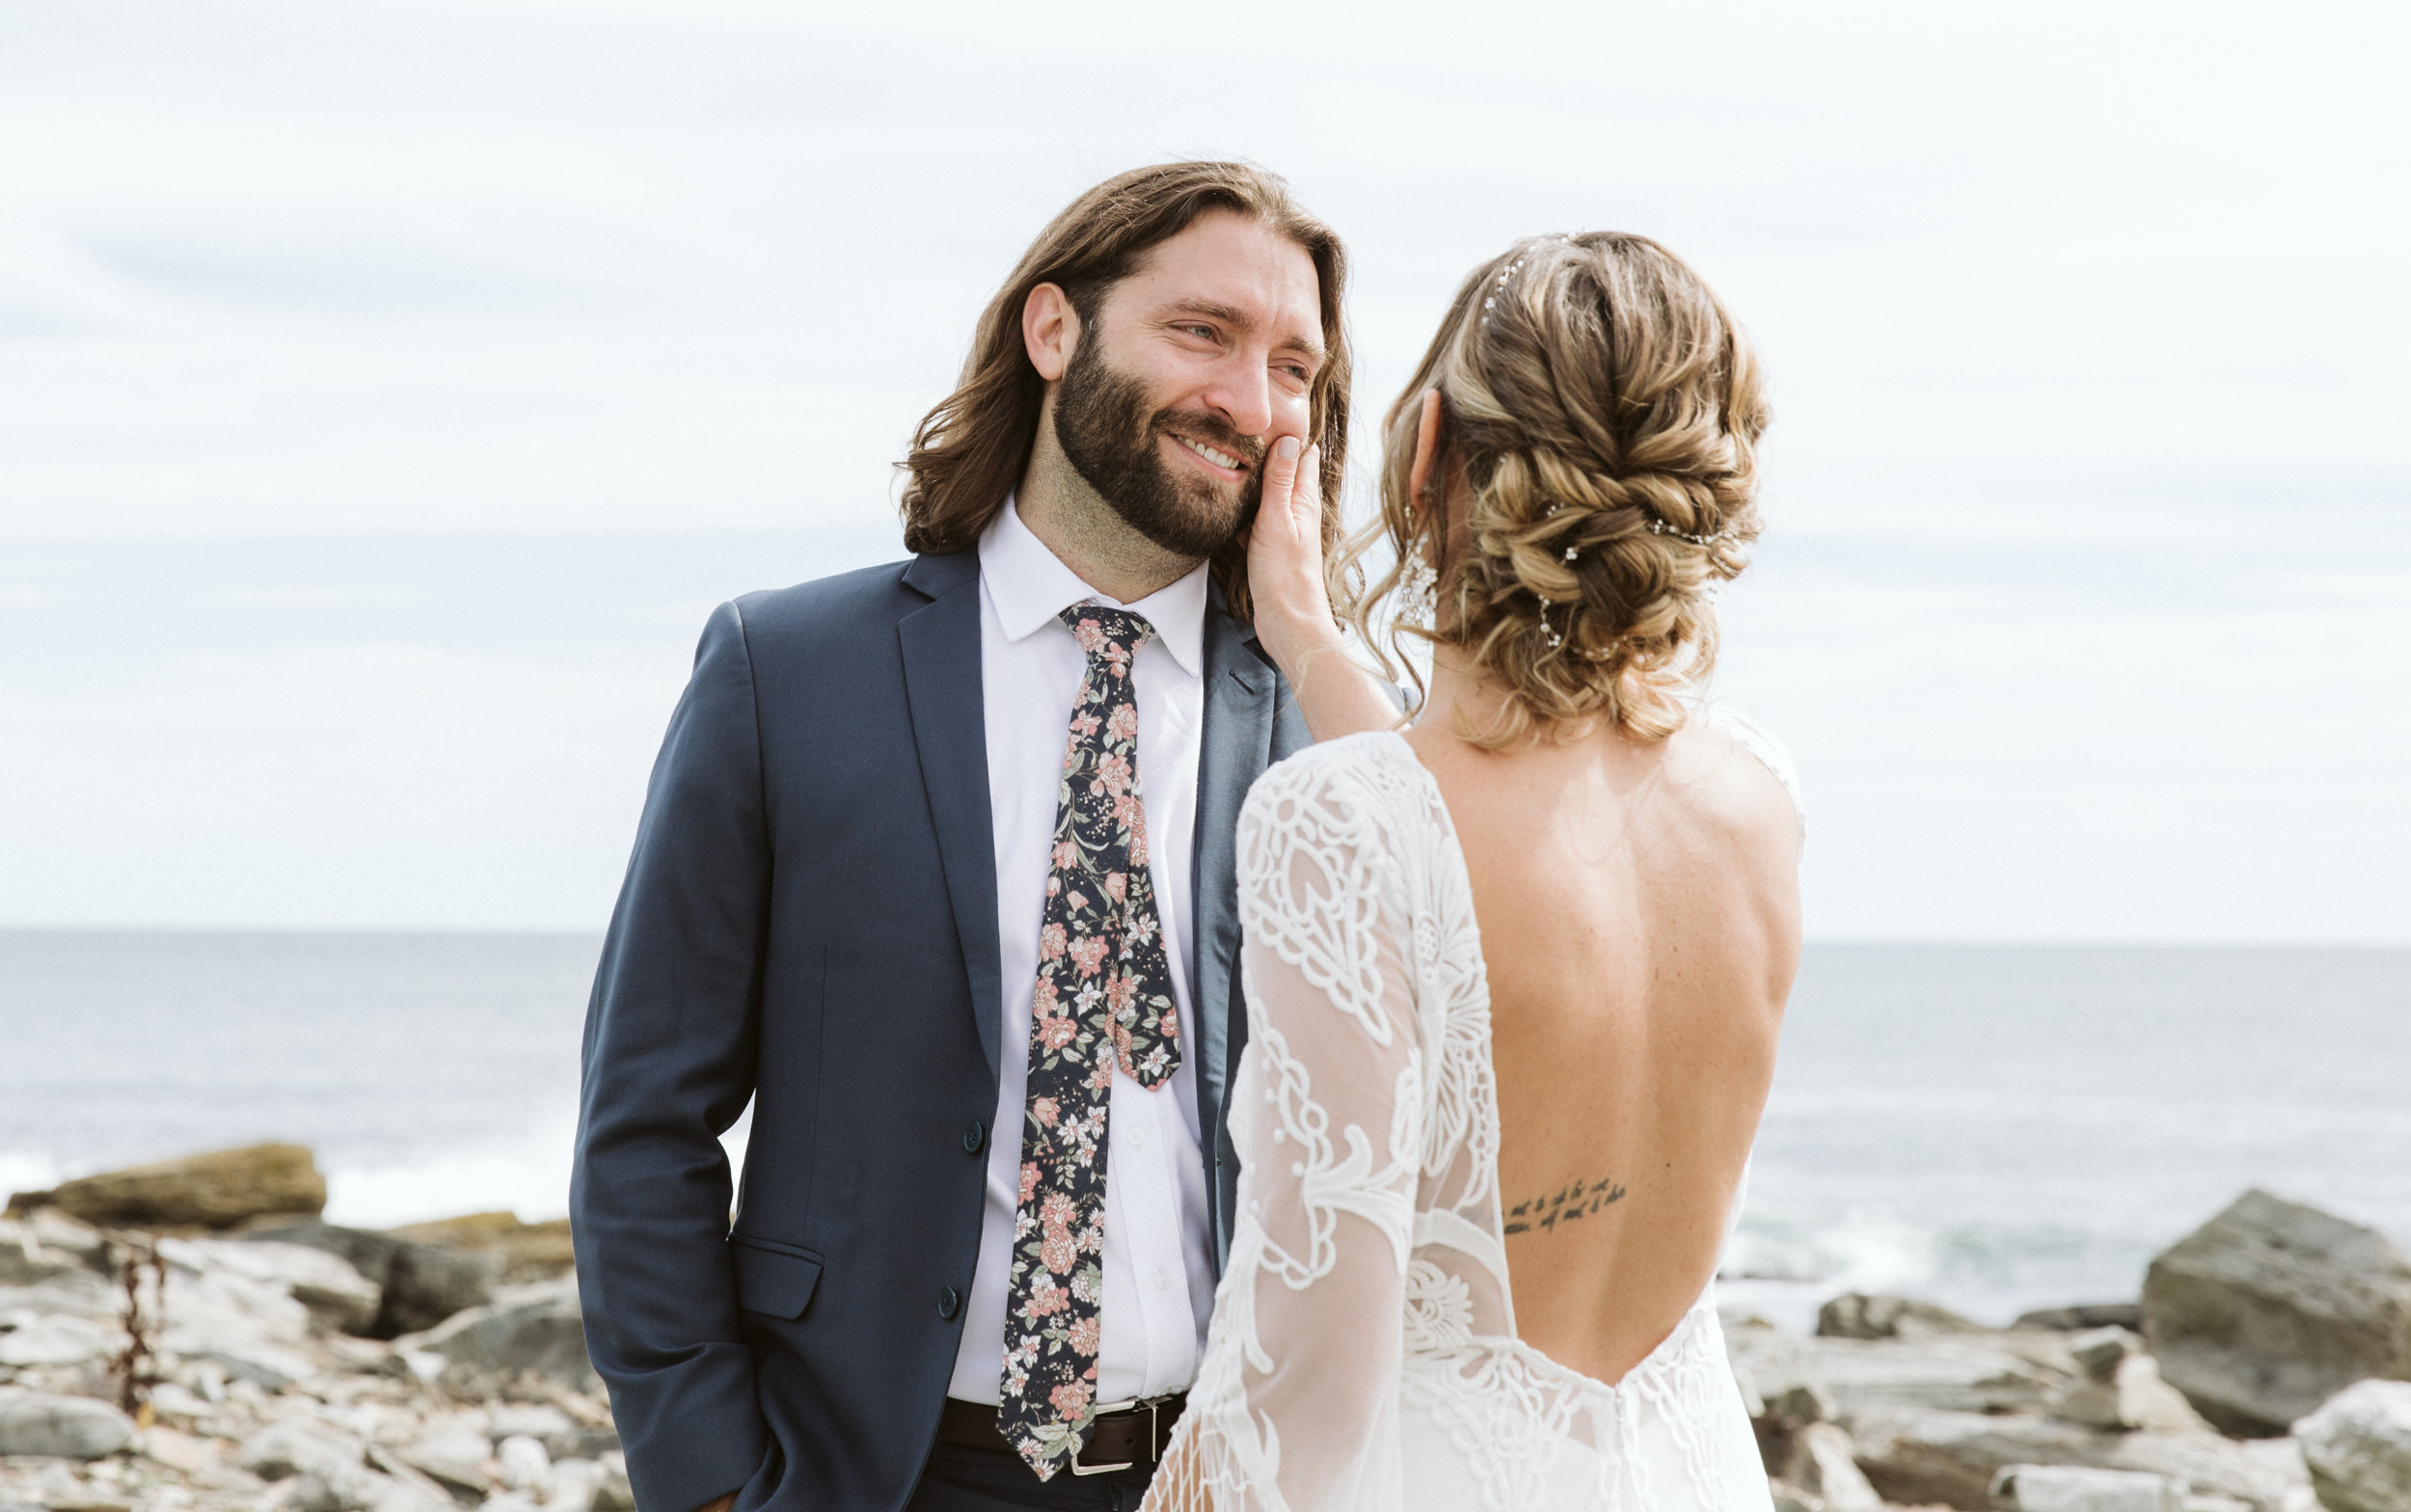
1109	436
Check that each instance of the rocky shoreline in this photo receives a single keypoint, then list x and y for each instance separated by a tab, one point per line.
190	1336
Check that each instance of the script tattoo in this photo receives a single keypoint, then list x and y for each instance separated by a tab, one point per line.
1574	1200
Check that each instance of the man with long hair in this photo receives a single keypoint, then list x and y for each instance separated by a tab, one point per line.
937	871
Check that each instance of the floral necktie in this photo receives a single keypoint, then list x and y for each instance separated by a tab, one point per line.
1103	999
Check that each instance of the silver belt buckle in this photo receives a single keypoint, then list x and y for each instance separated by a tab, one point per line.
1102	1408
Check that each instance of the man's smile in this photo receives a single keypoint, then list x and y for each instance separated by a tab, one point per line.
1217	461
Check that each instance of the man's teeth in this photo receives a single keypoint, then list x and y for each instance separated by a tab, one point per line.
1219	458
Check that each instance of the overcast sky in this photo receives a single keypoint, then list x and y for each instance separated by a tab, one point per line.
387	392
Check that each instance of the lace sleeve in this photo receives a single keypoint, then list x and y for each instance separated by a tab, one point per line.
1295	1407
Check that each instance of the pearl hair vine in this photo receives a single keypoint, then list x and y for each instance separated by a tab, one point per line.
1658	526
1509	272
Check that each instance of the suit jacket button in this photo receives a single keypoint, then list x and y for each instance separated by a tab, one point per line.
974	1137
949	1301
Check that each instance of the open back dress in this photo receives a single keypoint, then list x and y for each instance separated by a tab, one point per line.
1364	1354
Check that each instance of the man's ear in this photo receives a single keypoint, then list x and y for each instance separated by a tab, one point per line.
1050	328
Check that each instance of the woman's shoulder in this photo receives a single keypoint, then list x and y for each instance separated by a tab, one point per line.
1370	768
1738	732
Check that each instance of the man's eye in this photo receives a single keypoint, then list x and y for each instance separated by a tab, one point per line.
1202	333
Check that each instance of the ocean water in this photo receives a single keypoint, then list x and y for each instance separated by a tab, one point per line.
1993	1129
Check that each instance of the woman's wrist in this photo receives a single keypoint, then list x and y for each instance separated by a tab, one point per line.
1292	637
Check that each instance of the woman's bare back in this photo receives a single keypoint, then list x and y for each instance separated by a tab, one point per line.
1640	918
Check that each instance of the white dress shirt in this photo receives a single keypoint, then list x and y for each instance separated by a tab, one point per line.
1158	1265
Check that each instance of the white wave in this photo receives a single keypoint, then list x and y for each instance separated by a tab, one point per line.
529	1178
22	1172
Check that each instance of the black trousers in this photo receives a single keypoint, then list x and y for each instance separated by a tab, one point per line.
982	1480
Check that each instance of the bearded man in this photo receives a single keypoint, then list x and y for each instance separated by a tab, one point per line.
935	870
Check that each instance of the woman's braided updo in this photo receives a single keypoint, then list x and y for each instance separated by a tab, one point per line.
1603	412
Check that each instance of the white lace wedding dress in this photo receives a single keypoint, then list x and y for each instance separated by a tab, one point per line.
1363	1353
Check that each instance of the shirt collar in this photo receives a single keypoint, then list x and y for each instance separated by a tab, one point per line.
1029	585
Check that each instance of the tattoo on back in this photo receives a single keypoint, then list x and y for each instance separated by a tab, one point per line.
1576	1199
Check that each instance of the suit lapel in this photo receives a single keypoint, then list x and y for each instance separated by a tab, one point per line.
1238	745
941	662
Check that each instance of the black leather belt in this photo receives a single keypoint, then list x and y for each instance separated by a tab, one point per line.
1127	1434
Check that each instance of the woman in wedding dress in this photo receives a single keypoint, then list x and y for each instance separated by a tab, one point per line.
1515	973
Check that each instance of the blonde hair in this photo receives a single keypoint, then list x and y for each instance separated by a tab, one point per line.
1599	400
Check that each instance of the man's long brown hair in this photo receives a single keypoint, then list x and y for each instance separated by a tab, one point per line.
970	452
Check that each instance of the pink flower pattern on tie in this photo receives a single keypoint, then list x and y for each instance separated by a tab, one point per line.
1102	1000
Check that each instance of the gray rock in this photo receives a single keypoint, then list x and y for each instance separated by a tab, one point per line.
2358	1446
2271	1307
2123	1387
2099	1351
575	1482
218	1190
423	1283
78	1240
243	1359
26	1261
1800	1404
68	1427
453	1452
1976	1372
2077	1488
358	1489
523	1463
562	1436
2084	1316
302	1446
58	1340
1859	1315
1820	1460
1922	1457
340	1299
536	1328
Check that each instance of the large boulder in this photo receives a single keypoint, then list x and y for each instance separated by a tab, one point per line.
2271	1307
1921	1457
66	1427
218	1190
2358	1446
423	1284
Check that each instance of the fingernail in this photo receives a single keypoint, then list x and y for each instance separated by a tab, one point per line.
1285	449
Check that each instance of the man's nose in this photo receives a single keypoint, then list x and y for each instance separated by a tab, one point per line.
1242	394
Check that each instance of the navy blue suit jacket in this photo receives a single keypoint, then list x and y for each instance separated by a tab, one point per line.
809	922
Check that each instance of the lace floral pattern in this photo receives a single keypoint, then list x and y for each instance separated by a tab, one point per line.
1369	1234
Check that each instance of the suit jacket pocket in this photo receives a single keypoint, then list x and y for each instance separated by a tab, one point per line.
774	1280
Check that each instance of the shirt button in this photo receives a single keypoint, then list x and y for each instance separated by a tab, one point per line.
974	1137
949	1301
1138	1139
1163	1279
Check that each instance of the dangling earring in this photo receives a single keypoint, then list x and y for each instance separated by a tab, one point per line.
1418	588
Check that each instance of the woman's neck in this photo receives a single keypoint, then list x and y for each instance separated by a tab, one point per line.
1459	695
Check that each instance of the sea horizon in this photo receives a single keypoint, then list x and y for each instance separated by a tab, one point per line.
1994	1127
